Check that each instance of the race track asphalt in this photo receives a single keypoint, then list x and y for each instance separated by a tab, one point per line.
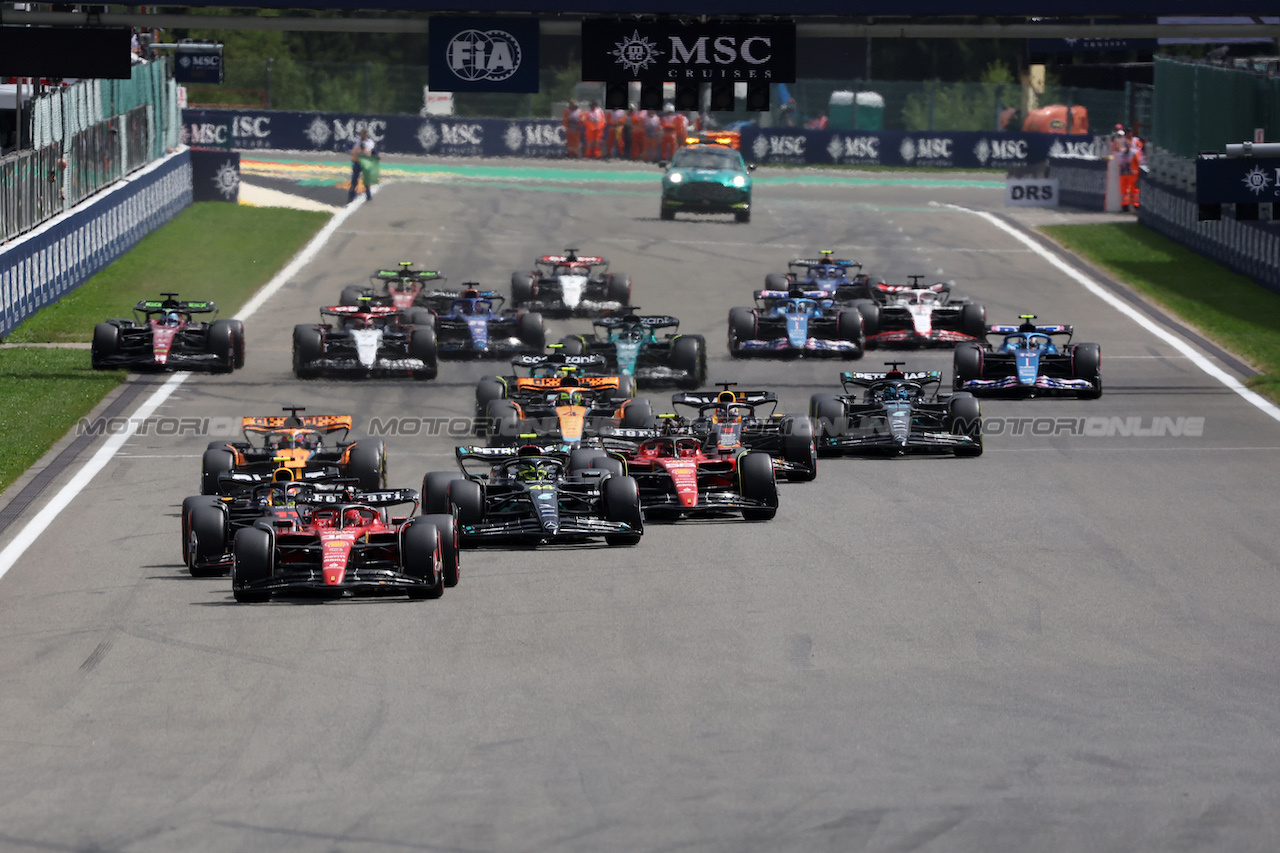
1066	644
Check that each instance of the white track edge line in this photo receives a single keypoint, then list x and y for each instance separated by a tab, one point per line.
1198	359
38	524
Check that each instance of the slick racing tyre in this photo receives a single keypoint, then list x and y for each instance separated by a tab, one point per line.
106	343
829	420
468	497
533	332
756	482
1086	363
689	355
420	558
221	340
742	327
618	288
351	294
367	464
213	465
849	328
308	348
574	345
205	521
777	281
254	560
870	315
622	503
637	413
502	422
488	389
449	559
435	491
973	321
523	288
964	417
966	364
422	346
798	448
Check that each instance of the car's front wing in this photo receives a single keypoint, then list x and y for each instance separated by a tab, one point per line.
783	345
910	337
917	442
1011	383
571	527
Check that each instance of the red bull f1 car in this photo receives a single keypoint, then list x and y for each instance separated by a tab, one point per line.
165	335
570	285
344	545
895	413
733	421
1028	362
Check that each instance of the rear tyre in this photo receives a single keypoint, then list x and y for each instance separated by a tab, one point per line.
966	364
626	386
214	464
870	315
435	491
253	563
367	464
689	354
502	422
468	497
756	482
220	341
622	503
973	321
1086	362
777	281
849	328
618	288
488	389
798	448
827	413
580	458
422	346
523	288
207	536
351	294
447	525
308	348
237	330
419	558
742	327
419	316
106	343
637	413
610	464
532	331
574	345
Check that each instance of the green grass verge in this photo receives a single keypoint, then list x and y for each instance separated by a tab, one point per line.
43	393
213	250
1229	309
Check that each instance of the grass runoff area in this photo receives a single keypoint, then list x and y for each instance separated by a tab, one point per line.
212	251
1231	310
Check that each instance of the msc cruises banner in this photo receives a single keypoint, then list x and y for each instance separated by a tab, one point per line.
448	136
947	150
483	55
670	51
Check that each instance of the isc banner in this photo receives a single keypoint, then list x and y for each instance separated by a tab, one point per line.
483	55
669	51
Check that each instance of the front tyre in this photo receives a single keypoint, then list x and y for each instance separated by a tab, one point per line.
621	498
756	482
254	563
420	559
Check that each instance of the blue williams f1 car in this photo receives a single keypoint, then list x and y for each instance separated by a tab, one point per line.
1027	362
794	323
475	327
897	413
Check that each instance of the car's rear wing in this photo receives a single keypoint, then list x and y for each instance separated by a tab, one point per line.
703	398
571	258
862	379
799	265
651	322
407	275
1026	328
762	295
559	359
357	497
172	303
352	310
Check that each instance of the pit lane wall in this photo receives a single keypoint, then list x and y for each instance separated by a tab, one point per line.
44	265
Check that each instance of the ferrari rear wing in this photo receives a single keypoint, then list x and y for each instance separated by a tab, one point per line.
382	497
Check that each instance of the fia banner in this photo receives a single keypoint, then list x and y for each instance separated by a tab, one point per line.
483	55
669	51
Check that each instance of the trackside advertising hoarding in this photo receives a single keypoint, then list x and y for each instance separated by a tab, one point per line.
673	51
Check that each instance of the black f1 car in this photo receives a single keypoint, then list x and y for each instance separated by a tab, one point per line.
164	335
897	413
539	496
367	340
630	344
296	447
1028	362
571	285
404	287
343	544
733	421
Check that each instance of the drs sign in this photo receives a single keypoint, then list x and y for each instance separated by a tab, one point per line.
483	55
1031	192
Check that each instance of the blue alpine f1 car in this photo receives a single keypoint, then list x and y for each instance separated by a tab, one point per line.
1027	362
787	323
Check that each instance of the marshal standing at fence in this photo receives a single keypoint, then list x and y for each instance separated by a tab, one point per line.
364	161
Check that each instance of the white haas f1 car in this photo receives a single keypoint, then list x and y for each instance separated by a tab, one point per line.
367	340
1028	362
571	285
911	315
